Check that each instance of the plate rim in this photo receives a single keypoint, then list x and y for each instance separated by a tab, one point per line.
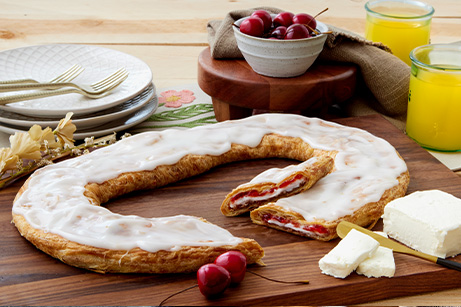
53	122
78	111
96	133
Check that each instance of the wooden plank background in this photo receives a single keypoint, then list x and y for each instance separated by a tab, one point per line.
169	35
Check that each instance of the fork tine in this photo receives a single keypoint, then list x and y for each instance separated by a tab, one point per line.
73	75
115	81
109	82
69	74
110	86
103	81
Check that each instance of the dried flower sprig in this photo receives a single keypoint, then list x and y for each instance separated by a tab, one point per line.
39	147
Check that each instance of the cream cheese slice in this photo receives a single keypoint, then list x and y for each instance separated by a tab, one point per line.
345	257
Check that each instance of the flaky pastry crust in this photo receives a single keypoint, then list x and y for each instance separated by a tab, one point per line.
102	260
186	259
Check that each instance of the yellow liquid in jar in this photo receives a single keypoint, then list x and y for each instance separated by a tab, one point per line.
434	110
401	36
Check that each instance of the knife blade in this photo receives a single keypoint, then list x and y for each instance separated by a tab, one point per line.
344	227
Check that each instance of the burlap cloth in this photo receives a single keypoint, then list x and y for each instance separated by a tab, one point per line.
385	77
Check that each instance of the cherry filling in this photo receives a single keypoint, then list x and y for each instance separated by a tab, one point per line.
256	193
252	193
319	229
288	182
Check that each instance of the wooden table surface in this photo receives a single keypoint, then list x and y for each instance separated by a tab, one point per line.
30	277
170	34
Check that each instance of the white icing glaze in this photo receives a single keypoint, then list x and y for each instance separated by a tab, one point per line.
366	166
276	175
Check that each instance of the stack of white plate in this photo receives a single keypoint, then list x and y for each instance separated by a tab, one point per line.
127	105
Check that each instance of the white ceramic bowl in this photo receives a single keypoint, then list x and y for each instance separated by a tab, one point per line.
280	58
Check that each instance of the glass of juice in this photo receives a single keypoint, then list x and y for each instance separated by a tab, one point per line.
402	25
434	99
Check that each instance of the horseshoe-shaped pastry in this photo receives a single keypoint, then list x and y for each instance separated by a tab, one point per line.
58	208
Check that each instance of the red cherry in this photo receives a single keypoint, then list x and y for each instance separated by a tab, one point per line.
212	279
279	32
283	19
305	19
235	263
253	26
297	31
265	17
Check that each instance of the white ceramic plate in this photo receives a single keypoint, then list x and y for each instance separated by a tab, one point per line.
82	121
108	128
44	62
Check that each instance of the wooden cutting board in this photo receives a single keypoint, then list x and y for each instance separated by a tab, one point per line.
30	277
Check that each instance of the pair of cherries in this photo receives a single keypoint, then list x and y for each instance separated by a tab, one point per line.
285	25
228	268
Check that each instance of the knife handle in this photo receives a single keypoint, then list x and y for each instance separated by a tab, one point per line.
449	264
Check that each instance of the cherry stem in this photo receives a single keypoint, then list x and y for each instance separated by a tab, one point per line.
259	275
179	292
279	281
311	29
238	27
321	13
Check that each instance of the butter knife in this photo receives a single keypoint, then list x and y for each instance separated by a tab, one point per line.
344	227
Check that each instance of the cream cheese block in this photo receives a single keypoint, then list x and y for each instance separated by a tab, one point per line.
428	221
380	264
345	257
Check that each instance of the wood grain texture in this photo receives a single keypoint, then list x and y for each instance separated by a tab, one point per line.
29	277
169	36
236	90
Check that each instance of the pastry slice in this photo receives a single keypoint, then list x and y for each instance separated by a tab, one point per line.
304	214
276	183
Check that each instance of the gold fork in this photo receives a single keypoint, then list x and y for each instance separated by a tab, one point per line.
98	89
95	88
68	75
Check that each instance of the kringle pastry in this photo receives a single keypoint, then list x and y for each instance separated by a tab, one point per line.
276	183
58	208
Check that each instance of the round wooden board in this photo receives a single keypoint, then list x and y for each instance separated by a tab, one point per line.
237	91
